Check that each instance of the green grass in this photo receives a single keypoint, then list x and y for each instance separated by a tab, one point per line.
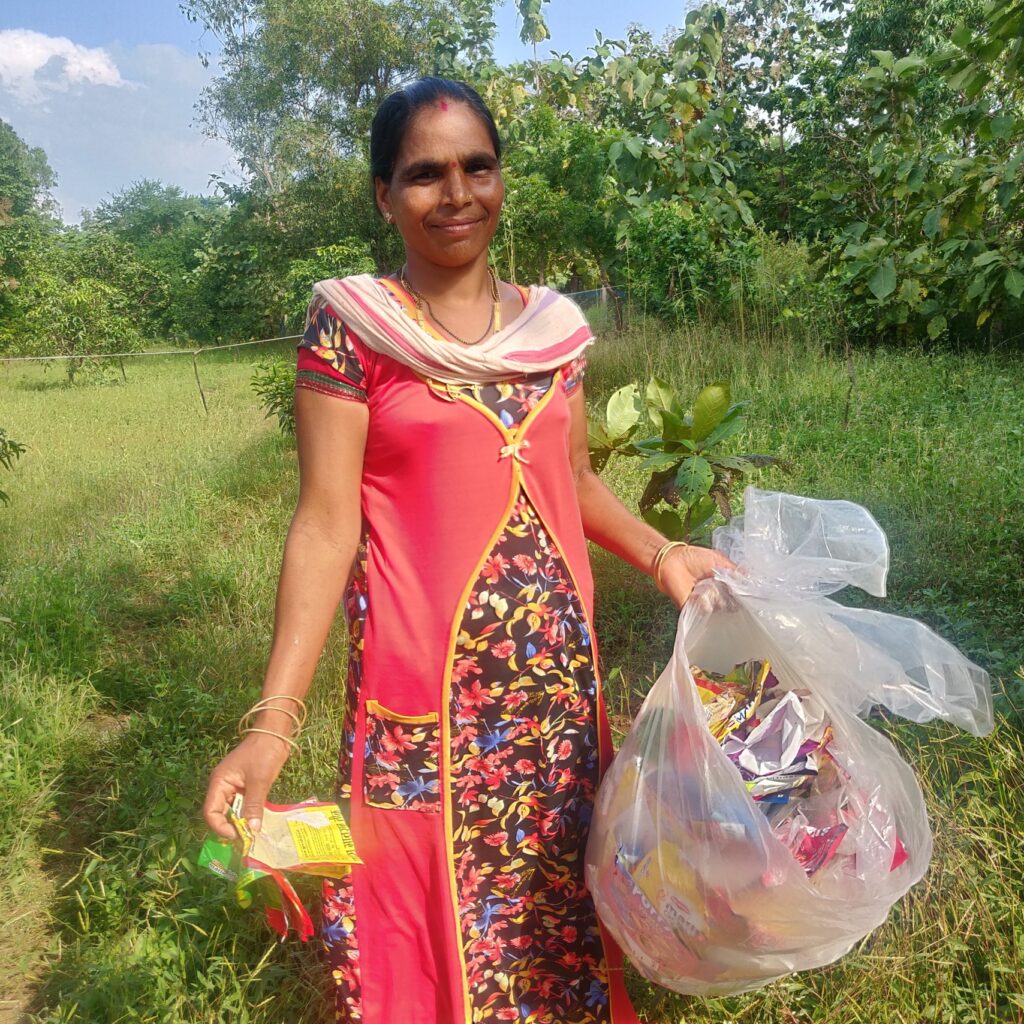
137	571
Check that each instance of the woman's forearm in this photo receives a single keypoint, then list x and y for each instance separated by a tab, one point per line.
315	569
607	522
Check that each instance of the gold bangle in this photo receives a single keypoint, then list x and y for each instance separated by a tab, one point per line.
243	722
264	704
659	559
270	732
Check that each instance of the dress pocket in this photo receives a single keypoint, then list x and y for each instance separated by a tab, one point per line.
400	767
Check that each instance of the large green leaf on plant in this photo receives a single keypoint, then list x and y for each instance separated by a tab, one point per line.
676	431
624	411
936	326
883	281
710	409
1014	282
699	517
661	398
736	463
600	445
666	522
694	478
734	423
659	460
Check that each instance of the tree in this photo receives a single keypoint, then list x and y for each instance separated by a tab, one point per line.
166	229
27	213
84	292
301	79
933	232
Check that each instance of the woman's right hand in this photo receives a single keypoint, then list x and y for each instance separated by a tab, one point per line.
249	769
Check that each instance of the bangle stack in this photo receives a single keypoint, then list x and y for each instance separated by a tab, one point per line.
659	559
264	704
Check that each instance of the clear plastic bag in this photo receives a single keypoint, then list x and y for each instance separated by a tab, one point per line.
693	880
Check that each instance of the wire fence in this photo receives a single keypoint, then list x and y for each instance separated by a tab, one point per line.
195	353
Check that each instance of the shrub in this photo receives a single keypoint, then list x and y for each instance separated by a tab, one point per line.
10	450
274	382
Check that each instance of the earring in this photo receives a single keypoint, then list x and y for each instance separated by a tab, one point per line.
388	217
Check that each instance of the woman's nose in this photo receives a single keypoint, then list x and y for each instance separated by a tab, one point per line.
457	189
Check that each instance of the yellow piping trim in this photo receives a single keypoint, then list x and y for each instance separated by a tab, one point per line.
516	433
446	741
600	695
375	708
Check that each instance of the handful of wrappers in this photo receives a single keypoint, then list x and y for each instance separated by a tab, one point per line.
780	740
753	823
309	838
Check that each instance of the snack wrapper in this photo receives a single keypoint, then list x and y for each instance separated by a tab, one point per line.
310	838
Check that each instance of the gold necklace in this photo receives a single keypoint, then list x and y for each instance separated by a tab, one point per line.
421	300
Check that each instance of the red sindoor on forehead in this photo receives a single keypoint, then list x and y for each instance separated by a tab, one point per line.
443	104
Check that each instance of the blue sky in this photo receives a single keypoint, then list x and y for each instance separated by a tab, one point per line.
107	87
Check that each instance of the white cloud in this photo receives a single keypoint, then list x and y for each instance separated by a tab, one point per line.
33	64
101	140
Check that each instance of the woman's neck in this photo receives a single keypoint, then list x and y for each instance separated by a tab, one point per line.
453	286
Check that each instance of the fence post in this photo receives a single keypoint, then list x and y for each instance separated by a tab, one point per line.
199	383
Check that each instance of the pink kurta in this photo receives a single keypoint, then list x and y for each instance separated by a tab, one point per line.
475	731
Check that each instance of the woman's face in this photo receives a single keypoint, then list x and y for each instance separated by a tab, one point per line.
446	190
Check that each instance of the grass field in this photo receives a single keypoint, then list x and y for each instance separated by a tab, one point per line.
137	570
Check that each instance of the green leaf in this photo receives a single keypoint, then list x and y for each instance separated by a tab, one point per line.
883	281
732	425
666	522
1003	125
1014	282
659	460
988	257
624	410
884	57
906	64
962	36
733	462
597	436
694	478
660	398
936	326
700	514
675	429
909	291
635	147
932	223
710	409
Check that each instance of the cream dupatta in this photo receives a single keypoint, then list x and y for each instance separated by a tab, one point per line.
550	331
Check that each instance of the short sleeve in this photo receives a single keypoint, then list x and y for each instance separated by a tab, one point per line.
572	373
328	361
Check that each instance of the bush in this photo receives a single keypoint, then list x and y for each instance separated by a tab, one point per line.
274	382
350	256
10	450
680	262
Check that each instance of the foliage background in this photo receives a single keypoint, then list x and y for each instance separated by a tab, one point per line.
816	202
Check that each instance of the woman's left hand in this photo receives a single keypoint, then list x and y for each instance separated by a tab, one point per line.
684	567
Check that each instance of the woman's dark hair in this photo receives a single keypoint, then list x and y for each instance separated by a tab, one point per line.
395	114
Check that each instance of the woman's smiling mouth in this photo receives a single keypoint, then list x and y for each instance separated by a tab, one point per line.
457	228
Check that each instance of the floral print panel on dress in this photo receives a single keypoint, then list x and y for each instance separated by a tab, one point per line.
400	767
327	360
524	772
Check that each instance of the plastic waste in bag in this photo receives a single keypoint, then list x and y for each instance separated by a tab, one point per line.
752	824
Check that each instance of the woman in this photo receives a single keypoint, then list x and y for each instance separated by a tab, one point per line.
445	487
